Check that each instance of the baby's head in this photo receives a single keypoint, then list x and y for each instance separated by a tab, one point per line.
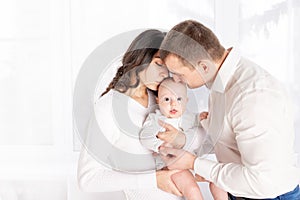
172	98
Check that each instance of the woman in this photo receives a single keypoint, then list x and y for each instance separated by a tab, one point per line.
142	70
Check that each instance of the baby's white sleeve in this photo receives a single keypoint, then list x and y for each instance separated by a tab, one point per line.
194	139
148	133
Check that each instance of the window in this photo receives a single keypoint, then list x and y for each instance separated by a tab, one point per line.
36	91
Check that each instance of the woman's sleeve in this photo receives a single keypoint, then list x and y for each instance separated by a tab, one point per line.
95	177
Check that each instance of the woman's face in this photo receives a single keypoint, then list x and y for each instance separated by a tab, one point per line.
154	73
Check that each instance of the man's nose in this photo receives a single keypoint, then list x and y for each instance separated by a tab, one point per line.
176	78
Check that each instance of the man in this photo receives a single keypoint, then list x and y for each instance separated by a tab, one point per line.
250	118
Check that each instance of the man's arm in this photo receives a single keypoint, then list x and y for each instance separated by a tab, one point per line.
262	145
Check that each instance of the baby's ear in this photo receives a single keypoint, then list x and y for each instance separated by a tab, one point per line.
156	98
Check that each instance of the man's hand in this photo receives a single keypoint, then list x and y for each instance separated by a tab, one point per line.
165	183
171	136
177	158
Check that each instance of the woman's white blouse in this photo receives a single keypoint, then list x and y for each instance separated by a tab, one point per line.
120	119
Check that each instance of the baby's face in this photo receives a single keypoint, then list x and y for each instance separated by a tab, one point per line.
172	99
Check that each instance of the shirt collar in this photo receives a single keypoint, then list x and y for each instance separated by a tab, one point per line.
226	71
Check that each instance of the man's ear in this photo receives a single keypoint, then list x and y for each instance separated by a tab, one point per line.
203	66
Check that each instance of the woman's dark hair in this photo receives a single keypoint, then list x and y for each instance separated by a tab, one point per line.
137	57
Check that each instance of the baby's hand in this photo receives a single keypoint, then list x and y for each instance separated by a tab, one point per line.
203	115
165	144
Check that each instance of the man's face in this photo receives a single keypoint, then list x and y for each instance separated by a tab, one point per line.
184	73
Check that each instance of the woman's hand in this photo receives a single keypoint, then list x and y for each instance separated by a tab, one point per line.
171	136
165	183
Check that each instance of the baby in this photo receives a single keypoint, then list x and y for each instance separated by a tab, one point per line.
172	100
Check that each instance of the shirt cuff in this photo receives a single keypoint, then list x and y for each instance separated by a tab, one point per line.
147	181
204	167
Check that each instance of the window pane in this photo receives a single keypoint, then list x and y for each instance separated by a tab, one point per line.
264	34
26	74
